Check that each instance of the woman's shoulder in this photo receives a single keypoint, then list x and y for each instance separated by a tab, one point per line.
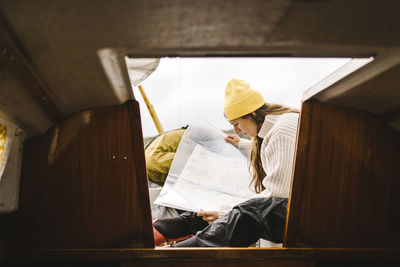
286	124
289	116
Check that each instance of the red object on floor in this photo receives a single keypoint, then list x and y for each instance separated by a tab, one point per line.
159	238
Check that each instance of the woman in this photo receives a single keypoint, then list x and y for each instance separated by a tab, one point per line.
273	128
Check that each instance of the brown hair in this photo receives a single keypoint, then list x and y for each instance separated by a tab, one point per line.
255	157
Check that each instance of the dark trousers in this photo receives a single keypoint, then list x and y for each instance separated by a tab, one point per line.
242	226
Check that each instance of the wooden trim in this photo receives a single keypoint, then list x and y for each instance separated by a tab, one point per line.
140	170
300	163
210	254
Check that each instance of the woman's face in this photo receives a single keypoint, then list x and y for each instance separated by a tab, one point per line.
245	125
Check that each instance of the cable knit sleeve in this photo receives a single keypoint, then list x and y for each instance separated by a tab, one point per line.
245	145
279	155
277	159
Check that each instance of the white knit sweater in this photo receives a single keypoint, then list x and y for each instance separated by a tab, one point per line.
277	154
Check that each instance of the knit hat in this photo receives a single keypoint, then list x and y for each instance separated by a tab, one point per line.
241	99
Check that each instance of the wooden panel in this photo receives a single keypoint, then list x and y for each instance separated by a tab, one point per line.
83	185
211	257
221	263
366	254
346	182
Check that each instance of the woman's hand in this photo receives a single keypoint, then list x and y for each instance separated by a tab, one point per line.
208	216
233	139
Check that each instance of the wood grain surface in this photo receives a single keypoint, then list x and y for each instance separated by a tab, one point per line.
346	182
83	185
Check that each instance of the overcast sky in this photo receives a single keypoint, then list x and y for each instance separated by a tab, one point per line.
182	88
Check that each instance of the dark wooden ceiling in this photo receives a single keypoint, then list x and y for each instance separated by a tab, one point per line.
50	66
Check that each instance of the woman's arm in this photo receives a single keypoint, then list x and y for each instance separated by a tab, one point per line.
241	143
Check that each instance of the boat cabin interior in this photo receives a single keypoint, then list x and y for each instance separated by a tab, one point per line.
77	167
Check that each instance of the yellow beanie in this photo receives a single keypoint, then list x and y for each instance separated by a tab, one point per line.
241	99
